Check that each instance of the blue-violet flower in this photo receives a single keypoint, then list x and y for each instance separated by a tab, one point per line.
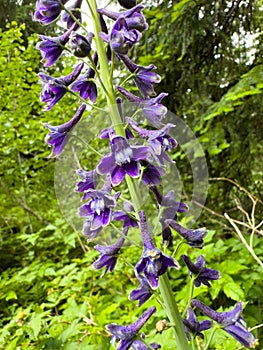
230	321
201	274
59	135
48	10
191	325
126	335
153	263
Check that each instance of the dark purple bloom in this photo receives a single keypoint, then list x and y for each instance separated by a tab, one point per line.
126	335
80	46
121	38
74	8
89	180
98	210
52	48
153	263
143	293
144	76
87	228
48	10
152	109
193	326
108	255
53	89
151	174
139	345
159	141
127	4
201	274
231	322
133	17
126	217
194	237
86	87
123	160
59	135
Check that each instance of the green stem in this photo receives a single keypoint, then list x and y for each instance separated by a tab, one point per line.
105	75
190	297
211	337
173	313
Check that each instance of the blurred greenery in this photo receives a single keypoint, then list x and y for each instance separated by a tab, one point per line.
209	54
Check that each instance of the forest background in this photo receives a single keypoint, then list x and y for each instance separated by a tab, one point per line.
209	54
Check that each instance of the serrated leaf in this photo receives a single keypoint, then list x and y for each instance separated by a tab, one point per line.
233	291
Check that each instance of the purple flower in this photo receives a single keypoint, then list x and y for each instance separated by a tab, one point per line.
143	293
133	17
86	87
89	180
126	335
98	210
194	238
48	10
87	230
231	322
108	255
193	326
153	263
123	160
53	89
127	4
139	345
121	38
202	275
159	141
152	109
79	45
144	76
52	48
151	174
75	9
126	217
59	135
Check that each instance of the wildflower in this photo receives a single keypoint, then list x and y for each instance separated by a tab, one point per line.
143	293
144	76
133	17
74	8
151	174
159	140
52	48
152	109
193	326
48	10
53	89
126	335
86	87
121	38
126	217
194	238
123	160
98	210
202	275
88	180
108	255
153	263
139	345
230	321
80	46
58	136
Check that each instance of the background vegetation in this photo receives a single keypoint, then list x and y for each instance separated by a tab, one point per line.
209	54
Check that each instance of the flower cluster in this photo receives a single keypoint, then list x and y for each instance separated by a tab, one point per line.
138	149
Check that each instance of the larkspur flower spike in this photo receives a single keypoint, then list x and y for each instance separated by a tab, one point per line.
193	326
